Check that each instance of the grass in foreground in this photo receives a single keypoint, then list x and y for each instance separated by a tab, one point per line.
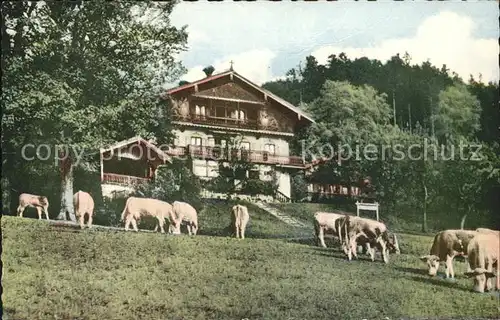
52	273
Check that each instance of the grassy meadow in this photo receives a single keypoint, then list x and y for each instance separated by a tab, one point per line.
63	273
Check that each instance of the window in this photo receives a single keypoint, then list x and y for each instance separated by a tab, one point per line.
253	174
196	141
234	114
269	147
220	112
242	115
211	142
245	145
200	110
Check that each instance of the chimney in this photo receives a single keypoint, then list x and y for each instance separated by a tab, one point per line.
209	70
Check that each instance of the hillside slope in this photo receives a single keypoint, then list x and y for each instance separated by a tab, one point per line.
52	272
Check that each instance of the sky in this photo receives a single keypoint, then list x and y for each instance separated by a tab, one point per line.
266	39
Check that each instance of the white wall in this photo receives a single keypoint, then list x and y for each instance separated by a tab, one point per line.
284	184
208	169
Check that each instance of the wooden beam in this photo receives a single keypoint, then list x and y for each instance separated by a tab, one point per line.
196	88
228	99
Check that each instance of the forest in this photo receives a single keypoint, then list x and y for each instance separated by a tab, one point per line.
396	102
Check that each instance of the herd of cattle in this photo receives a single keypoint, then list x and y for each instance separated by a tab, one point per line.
480	247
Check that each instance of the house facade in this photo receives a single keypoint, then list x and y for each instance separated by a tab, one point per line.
212	113
221	117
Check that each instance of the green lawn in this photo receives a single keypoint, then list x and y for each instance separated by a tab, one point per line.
62	273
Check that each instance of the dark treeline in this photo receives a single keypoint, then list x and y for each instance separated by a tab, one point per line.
409	87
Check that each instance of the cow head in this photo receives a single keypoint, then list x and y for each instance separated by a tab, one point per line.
432	263
482	280
392	244
175	226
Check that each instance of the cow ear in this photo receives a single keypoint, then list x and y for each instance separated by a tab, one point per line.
470	274
489	274
478	271
424	258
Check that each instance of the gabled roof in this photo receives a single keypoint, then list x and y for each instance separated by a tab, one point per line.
269	94
139	140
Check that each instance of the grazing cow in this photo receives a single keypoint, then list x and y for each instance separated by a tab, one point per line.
483	252
371	233
326	221
83	204
184	212
447	244
135	208
31	200
239	220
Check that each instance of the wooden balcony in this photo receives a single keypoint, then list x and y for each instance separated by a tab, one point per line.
219	153
120	179
333	189
251	124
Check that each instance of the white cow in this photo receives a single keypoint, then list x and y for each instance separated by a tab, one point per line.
84	205
323	222
370	233
184	212
41	203
483	253
135	208
239	220
447	244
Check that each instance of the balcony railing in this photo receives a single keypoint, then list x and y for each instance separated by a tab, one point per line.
220	121
220	153
333	189
113	178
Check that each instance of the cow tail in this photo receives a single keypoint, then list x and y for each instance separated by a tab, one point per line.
124	210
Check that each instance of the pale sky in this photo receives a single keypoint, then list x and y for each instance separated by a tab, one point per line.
266	39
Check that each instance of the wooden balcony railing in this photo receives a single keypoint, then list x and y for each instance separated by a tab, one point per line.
220	121
333	189
113	178
220	153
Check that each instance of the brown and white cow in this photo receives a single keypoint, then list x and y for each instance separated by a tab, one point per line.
184	212
326	222
84	205
239	220
446	245
370	233
136	208
40	203
483	253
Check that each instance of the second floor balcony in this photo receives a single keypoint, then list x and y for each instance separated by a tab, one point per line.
222	153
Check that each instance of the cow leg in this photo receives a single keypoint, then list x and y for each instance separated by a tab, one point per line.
39	210
321	236
189	228
385	252
449	267
20	210
127	222
161	221
46	209
242	232
134	224
81	218
468	264
370	251
89	222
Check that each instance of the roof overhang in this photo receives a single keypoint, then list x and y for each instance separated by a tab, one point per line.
267	94
118	145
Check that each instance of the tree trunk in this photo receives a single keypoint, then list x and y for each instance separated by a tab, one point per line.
424	221
66	191
5	195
